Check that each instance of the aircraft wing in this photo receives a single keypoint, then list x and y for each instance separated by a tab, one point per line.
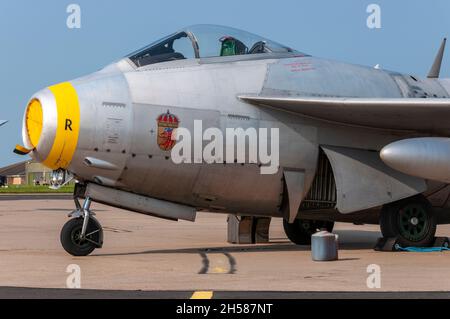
3	122
416	114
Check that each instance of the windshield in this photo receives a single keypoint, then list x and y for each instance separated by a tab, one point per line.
214	41
204	41
177	46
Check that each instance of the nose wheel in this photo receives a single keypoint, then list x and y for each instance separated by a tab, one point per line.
81	235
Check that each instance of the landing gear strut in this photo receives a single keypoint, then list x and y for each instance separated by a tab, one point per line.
410	220
82	234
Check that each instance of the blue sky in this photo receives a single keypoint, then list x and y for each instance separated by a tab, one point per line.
37	49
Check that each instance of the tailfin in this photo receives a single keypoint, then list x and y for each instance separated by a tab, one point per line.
436	68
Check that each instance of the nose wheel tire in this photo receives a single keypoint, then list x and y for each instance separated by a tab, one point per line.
301	230
71	237
411	221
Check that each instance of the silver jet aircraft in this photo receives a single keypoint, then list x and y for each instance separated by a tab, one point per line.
356	144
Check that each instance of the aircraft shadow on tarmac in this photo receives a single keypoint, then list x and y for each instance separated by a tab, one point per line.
349	240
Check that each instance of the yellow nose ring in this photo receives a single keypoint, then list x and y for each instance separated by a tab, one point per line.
68	126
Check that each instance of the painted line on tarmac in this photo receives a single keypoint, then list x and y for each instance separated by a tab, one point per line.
202	295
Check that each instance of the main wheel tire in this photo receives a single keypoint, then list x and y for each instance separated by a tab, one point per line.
70	237
301	230
411	221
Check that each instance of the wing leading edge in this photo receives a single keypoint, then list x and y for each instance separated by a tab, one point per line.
416	114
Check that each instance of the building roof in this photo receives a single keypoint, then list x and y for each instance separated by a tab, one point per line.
14	169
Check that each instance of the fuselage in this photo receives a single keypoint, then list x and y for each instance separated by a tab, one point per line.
120	105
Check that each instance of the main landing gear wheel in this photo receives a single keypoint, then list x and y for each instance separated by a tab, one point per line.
82	234
411	221
301	230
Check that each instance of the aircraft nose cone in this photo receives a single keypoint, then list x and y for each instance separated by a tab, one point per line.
51	125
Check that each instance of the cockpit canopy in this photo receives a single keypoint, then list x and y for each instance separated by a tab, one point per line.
205	41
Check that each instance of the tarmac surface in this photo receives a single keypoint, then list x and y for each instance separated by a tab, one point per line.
51	293
146	257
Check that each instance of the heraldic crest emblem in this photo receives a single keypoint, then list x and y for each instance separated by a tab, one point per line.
167	123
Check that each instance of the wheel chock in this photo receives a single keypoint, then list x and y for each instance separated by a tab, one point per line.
390	243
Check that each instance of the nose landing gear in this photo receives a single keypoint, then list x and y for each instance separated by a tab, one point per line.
82	234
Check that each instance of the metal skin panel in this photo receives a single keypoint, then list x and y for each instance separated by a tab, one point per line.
309	76
106	120
151	170
138	203
415	87
237	188
295	184
207	93
205	87
363	181
445	83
